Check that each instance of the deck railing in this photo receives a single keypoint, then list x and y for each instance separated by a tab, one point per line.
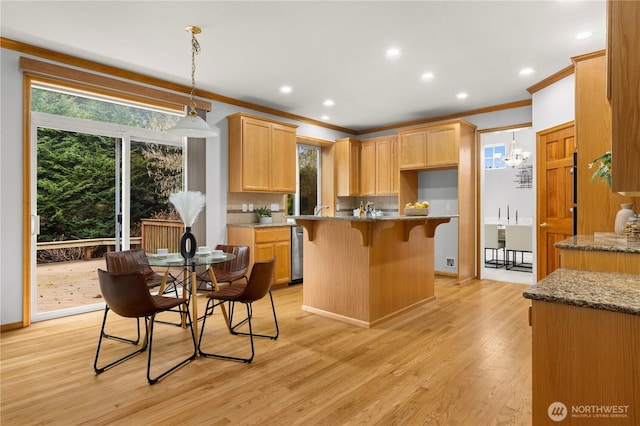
157	233
88	244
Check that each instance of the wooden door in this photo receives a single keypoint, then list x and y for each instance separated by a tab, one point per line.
555	148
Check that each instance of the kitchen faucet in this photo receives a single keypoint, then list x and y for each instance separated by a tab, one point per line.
318	209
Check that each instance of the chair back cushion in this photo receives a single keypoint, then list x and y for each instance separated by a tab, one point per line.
127	261
519	237
233	270
126	293
491	236
260	280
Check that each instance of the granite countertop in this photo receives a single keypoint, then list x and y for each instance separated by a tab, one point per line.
371	218
610	291
600	241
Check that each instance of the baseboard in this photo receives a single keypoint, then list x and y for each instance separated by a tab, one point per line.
11	326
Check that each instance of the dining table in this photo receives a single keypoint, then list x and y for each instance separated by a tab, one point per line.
189	278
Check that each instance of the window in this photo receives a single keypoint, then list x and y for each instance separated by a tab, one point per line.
494	156
308	194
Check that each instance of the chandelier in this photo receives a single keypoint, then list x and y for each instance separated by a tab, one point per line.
515	155
192	126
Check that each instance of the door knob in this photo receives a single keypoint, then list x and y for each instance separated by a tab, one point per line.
543	225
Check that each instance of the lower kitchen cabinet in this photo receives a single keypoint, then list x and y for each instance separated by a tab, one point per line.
265	243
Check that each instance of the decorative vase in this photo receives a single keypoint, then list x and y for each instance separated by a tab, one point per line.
623	214
265	219
188	239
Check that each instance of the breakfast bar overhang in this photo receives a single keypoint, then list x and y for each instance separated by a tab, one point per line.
366	270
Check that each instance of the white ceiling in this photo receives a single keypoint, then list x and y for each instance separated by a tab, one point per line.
326	49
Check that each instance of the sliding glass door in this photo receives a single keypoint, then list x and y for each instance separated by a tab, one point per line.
92	183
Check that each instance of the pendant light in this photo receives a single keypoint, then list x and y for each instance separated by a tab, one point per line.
515	155
192	126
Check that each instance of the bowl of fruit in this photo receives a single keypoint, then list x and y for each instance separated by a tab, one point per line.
417	209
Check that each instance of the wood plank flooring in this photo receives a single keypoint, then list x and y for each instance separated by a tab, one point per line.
463	359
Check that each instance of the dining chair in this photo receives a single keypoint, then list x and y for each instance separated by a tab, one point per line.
228	272
493	243
129	261
258	286
518	239
127	295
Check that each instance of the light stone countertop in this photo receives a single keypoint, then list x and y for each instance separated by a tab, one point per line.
590	289
600	241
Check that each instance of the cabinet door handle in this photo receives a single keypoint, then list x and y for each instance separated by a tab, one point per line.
543	225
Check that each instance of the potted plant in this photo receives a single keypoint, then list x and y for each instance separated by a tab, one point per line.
264	214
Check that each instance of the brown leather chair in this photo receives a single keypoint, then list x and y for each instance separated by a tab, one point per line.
128	261
231	271
127	295
258	286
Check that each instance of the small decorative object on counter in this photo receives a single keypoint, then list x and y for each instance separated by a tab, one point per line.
188	204
632	229
623	214
361	209
264	214
417	209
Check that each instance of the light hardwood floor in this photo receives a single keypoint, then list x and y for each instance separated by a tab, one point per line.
463	359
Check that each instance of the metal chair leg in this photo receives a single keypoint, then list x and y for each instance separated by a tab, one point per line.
227	357
154	380
99	370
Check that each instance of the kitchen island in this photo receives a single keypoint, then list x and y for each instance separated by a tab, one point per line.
366	270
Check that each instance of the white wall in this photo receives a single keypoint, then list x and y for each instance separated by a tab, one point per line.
10	188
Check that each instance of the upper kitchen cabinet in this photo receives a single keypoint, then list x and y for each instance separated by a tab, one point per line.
431	147
347	167
262	155
623	88
379	166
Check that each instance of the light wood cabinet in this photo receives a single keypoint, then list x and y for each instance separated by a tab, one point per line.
347	167
428	147
623	33
584	357
265	243
379	166
592	131
413	149
449	145
262	155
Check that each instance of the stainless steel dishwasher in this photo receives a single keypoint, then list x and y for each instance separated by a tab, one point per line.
296	254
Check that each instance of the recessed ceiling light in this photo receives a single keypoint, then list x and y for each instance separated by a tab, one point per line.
325	117
285	89
393	53
526	71
583	35
462	95
328	103
427	76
